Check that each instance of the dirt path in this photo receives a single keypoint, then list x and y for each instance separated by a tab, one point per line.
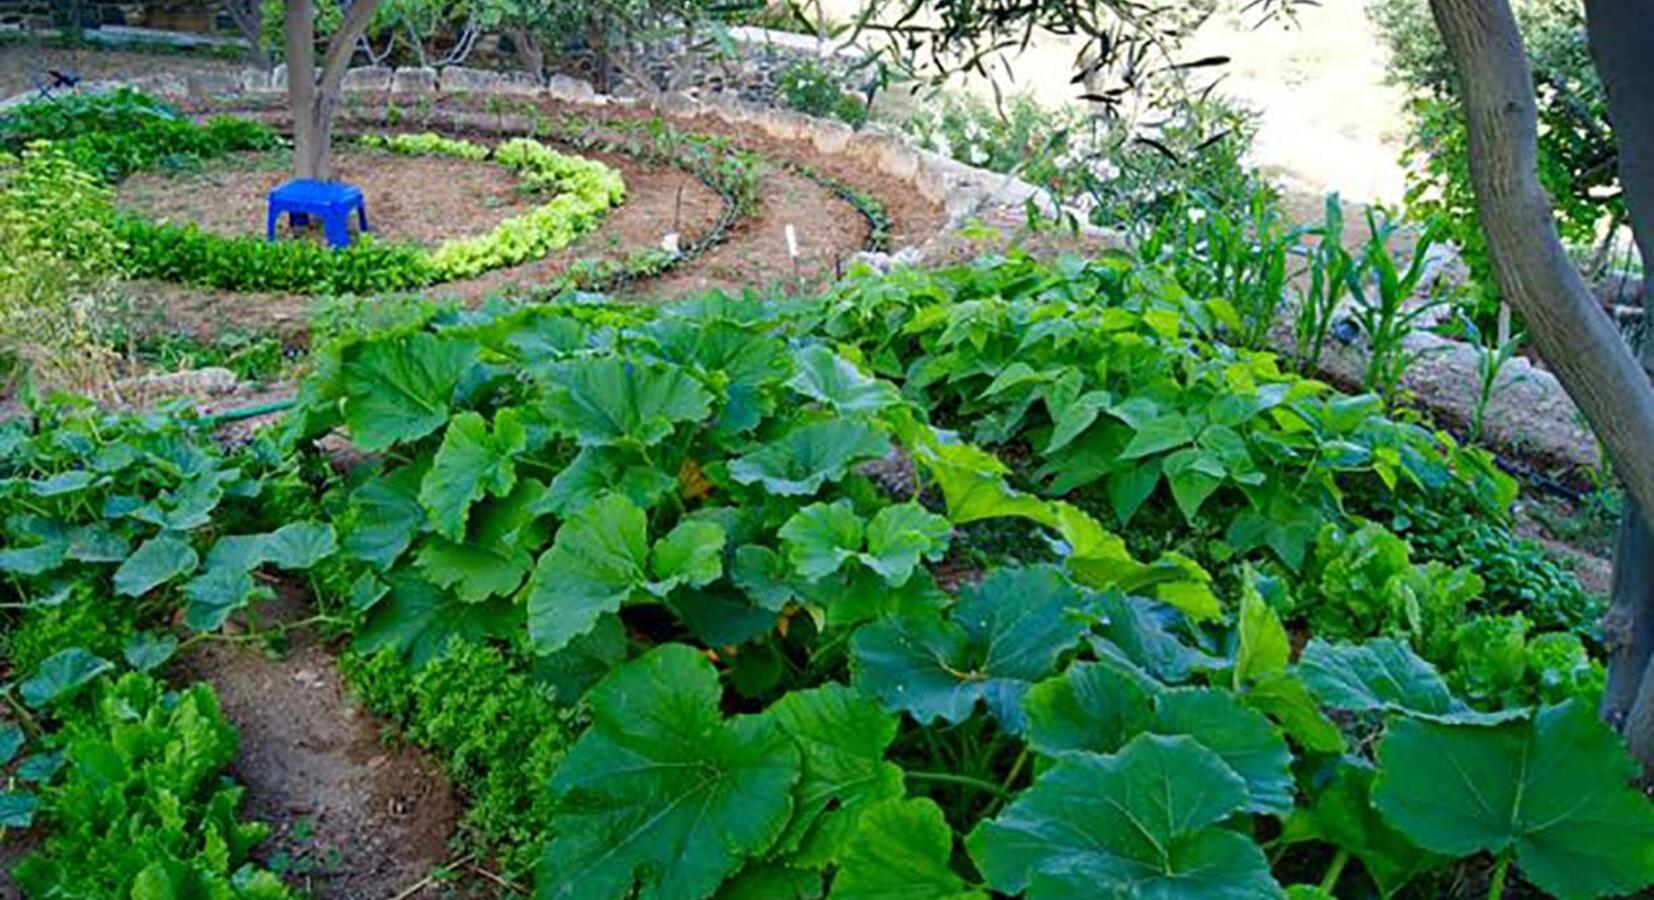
354	820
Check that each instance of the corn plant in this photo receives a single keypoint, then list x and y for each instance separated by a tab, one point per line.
1333	273
1383	307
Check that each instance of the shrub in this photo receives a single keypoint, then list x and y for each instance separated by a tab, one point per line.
1576	151
54	274
1134	178
812	89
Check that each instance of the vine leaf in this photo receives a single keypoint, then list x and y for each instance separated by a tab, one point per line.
496	558
901	851
383	517
1553	789
419	621
156	562
1343	816
662	794
822	537
596	562
1005	633
601	559
1141	823
842	736
61	674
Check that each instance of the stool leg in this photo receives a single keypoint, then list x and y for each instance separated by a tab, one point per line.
338	230
362	216
270	224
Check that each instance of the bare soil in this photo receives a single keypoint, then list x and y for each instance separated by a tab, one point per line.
659	200
418	199
828	231
367	822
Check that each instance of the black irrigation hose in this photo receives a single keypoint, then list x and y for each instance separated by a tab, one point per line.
878	221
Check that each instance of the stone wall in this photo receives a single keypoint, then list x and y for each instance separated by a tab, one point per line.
190	16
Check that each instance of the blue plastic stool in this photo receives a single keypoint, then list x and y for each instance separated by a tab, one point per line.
333	201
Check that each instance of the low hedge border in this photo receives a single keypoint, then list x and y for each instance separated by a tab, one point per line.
583	190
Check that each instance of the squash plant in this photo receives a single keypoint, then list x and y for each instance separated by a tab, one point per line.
677	512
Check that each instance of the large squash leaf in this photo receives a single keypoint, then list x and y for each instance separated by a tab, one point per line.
1006	632
473	460
822	537
807	457
843	737
662	795
825	377
419	621
1343	815
601	559
1096	707
613	401
400	389
1555	790
156	562
1141	823
1384	674
901	851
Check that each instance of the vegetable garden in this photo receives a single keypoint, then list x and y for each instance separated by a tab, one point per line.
1014	577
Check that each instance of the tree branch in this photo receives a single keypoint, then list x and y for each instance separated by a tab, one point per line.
342	46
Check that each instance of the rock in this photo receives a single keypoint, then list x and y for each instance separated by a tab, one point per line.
418	81
204	85
572	90
195	383
456	79
830	138
369	79
278	77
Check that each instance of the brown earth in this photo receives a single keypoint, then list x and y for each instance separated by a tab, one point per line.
419	199
364	822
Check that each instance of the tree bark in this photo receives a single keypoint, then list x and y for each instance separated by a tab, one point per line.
249	21
1621	33
1573	334
313	97
529	51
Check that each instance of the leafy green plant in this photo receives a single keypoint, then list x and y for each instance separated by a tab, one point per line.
580	192
142	808
813	89
60	254
499	731
672	510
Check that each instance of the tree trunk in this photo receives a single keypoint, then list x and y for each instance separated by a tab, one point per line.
249	20
1574	336
313	98
529	51
1621	33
